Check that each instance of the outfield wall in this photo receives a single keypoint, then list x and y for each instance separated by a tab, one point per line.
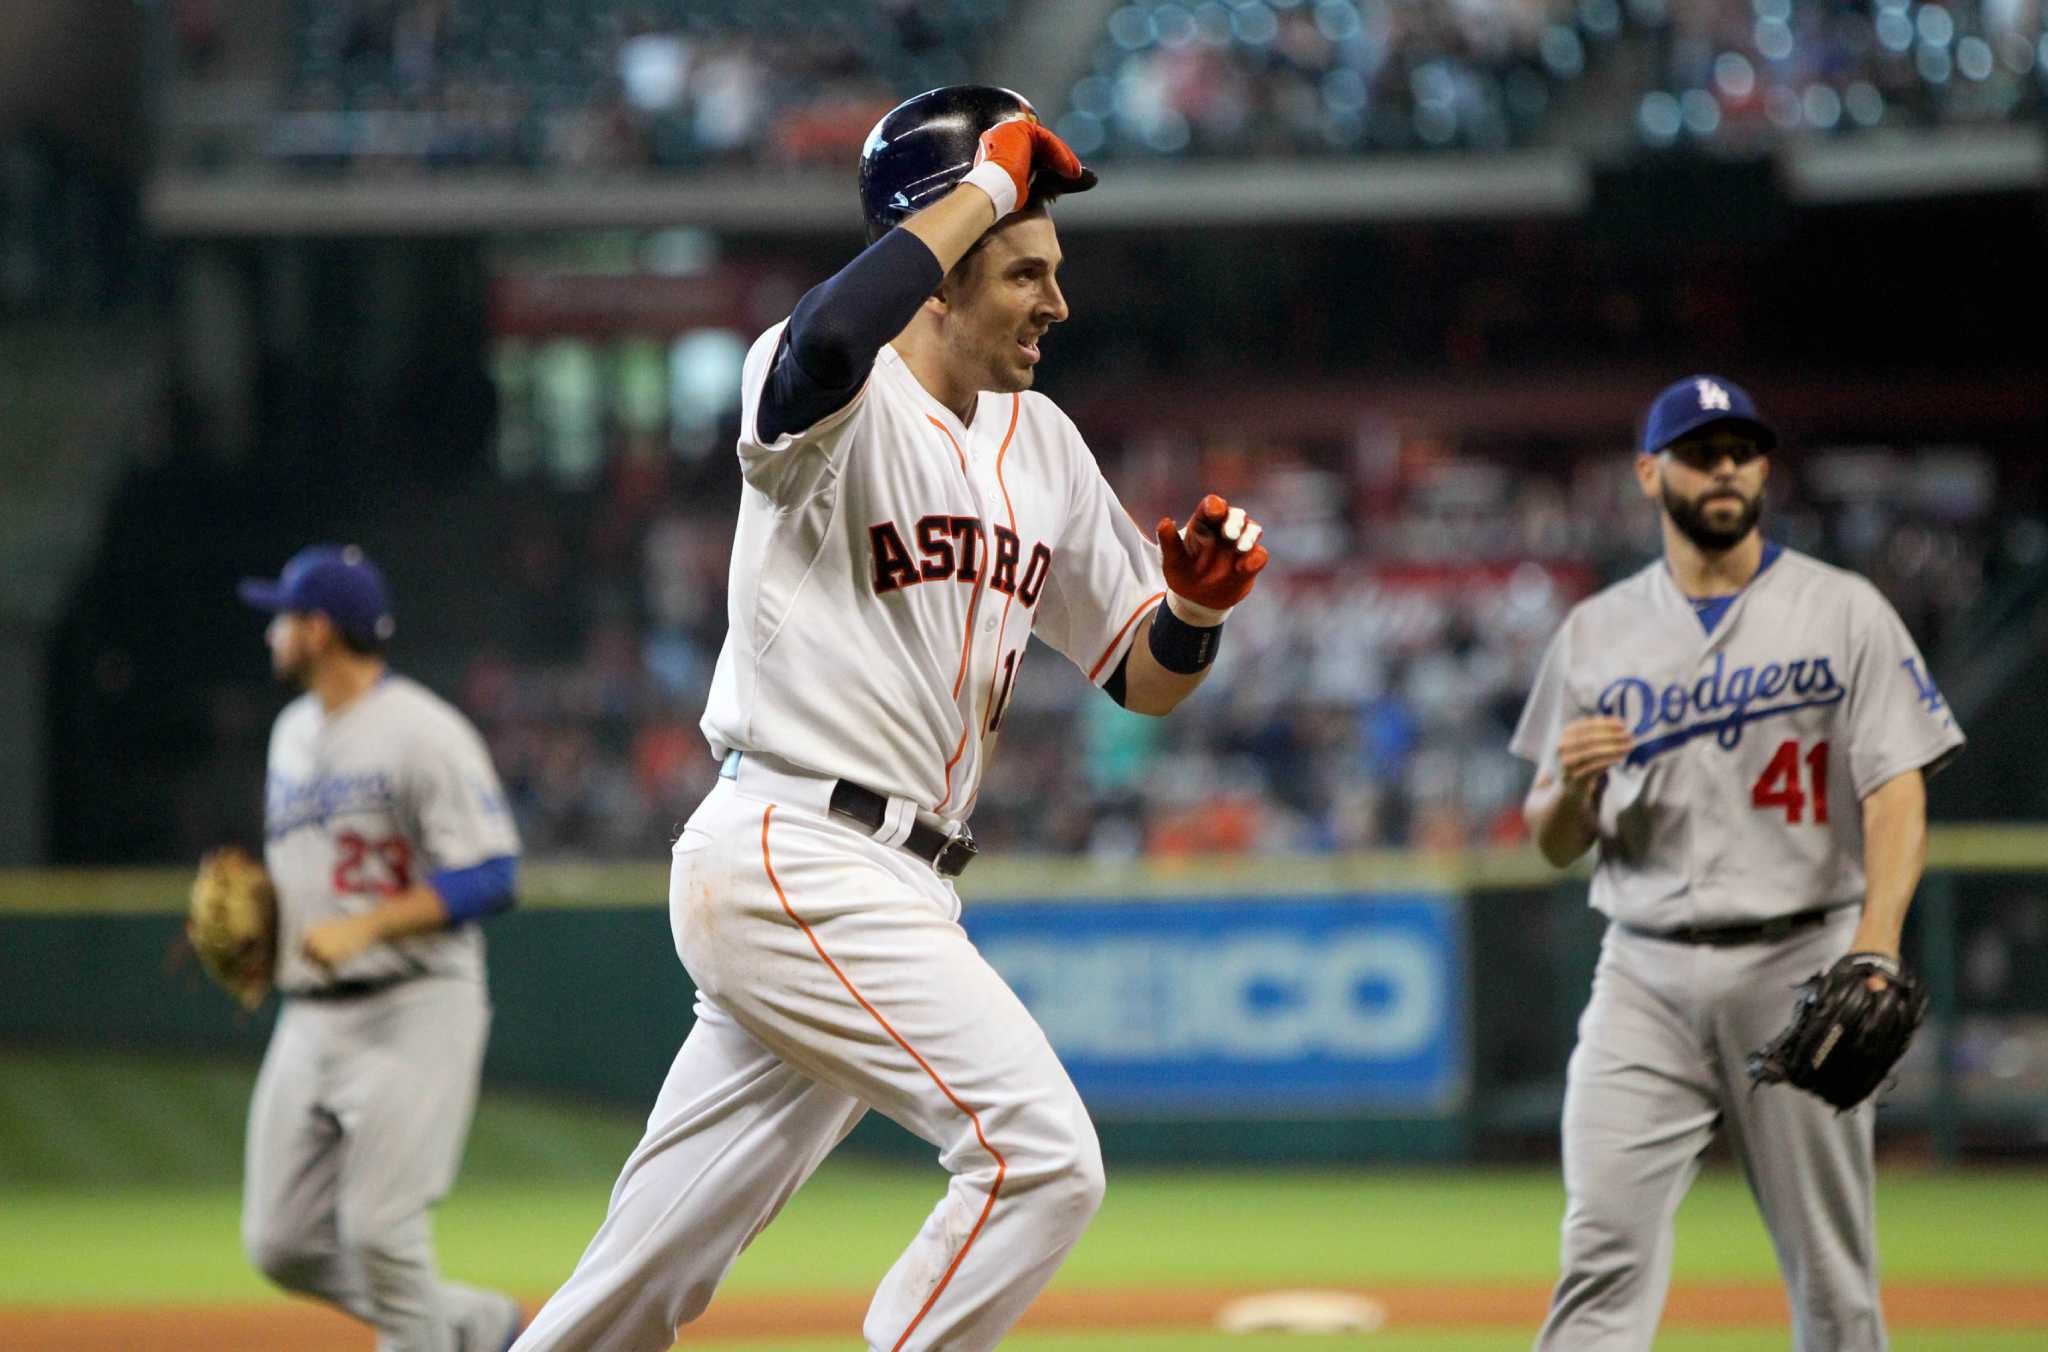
1339	1007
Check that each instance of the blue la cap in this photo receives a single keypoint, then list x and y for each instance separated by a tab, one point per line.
1685	406
339	581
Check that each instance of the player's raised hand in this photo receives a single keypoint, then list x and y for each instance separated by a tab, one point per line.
1212	561
1587	748
1028	151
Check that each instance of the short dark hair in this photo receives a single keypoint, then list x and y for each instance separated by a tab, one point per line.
1034	206
362	645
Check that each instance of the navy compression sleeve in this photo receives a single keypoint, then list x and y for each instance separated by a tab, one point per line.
838	327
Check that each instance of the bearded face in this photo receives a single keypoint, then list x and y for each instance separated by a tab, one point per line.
1712	487
1716	519
296	642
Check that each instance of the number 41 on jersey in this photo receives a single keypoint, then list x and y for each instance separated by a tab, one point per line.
1779	785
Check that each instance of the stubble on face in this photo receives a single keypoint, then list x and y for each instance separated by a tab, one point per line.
1004	301
1717	518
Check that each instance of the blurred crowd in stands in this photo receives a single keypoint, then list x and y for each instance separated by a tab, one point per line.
1267	77
592	84
398	84
1740	75
1363	698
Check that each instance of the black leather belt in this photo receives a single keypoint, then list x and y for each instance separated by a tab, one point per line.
1727	936
949	853
348	990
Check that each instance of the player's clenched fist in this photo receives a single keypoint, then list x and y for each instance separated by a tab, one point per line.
1026	149
1212	561
1588	748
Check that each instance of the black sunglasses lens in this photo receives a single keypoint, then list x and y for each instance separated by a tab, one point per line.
1703	457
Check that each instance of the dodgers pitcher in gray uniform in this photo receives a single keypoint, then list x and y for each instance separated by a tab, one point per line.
387	837
1744	732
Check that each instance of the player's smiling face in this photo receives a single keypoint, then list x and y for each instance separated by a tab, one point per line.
1711	485
1000	301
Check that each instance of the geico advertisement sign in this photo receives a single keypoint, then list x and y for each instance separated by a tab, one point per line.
1367	994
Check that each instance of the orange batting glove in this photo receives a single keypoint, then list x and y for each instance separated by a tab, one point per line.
1028	153
1211	564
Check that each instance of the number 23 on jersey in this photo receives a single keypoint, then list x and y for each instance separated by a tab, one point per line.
362	866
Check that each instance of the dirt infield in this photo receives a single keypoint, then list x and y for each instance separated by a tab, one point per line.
267	1327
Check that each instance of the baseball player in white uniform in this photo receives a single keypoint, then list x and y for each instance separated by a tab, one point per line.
386	837
1744	732
912	515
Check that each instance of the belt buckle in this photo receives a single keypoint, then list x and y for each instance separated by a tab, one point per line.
957	853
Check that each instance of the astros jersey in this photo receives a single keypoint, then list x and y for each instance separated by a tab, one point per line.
359	806
1754	744
889	567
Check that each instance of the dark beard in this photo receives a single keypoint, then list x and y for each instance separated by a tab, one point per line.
1691	520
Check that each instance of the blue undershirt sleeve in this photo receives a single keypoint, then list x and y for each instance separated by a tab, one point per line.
835	331
479	890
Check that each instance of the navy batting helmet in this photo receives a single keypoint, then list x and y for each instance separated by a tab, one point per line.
923	146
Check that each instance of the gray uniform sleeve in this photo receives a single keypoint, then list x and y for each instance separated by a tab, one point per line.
454	799
1549	706
1897	719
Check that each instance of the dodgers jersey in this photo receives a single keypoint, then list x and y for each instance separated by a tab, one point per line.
1754	744
360	805
889	567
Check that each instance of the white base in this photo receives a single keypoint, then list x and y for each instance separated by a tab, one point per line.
1303	1312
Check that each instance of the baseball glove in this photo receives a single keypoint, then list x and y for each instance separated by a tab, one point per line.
232	923
1845	1037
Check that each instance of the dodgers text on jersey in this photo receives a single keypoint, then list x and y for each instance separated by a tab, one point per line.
1721	703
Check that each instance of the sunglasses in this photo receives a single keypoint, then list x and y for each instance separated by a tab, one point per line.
1704	456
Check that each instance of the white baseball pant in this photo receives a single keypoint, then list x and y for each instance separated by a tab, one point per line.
833	977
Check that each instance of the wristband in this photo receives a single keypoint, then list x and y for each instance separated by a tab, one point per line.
1195	613
1180	647
994	180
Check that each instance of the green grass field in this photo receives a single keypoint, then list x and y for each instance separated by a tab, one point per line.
118	1179
144	1244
